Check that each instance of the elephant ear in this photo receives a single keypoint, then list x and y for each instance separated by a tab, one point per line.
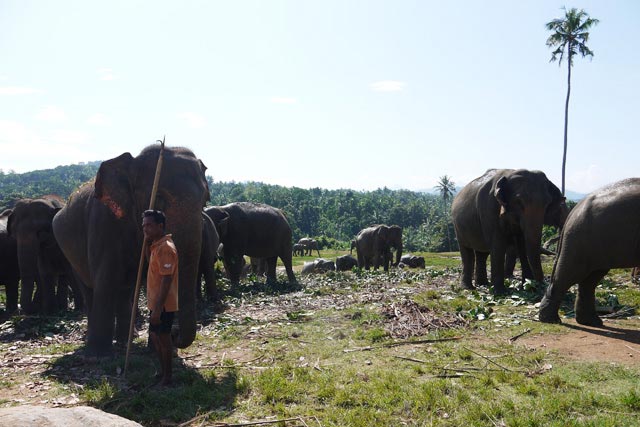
113	186
203	168
221	220
501	192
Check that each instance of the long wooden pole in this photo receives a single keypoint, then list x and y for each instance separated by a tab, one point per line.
134	306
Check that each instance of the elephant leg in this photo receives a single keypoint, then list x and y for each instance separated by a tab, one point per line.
468	260
497	268
553	296
481	268
28	302
288	265
586	299
101	321
62	293
123	309
11	290
210	285
49	305
271	269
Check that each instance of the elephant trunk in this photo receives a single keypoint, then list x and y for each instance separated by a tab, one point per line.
28	262
532	239
189	245
398	253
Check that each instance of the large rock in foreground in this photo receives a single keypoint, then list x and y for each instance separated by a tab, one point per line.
78	416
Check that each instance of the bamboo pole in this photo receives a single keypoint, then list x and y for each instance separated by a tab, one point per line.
136	294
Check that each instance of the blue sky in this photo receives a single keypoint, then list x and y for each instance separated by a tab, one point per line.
329	94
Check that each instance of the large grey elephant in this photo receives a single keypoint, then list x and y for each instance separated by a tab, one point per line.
100	232
9	268
502	207
373	245
43	267
256	230
208	258
309	245
602	232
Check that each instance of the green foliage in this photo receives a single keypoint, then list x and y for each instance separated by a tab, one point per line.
61	180
332	217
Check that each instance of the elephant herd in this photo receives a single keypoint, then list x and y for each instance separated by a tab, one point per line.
503	211
91	244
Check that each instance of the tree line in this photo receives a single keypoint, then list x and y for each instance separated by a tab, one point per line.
333	217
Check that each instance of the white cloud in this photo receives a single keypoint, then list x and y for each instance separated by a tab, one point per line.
36	151
99	119
283	100
51	113
17	90
586	180
106	74
63	136
194	120
388	86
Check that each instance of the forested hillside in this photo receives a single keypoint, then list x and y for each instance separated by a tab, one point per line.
334	217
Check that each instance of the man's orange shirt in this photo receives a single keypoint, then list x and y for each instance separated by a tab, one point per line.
163	261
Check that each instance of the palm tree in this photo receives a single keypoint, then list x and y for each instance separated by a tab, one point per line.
570	35
446	188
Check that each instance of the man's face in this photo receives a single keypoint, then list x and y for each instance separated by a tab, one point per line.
151	229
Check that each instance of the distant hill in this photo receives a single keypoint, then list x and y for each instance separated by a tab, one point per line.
61	180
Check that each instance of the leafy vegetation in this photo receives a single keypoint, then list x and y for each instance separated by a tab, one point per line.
333	217
361	348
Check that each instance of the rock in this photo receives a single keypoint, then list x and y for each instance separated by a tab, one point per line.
77	416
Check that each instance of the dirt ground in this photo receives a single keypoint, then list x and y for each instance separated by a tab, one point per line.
617	342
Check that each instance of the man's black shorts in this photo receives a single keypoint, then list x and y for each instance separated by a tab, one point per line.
166	321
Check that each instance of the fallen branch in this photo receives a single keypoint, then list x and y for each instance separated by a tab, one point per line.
526	331
397	344
410	359
631	348
252	423
487	359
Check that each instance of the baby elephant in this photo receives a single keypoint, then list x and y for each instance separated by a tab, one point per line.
319	265
601	233
346	263
412	261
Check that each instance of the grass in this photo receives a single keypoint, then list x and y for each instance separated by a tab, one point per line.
336	362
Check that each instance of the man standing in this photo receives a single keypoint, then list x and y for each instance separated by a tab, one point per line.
162	288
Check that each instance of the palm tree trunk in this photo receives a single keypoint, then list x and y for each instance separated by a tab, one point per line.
566	120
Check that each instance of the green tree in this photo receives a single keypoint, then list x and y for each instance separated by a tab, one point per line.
569	37
446	187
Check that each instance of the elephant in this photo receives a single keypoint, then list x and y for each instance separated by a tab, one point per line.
635	273
601	233
500	208
100	232
353	246
254	229
208	258
555	216
319	265
298	249
309	244
374	244
9	267
412	261
42	263
346	263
